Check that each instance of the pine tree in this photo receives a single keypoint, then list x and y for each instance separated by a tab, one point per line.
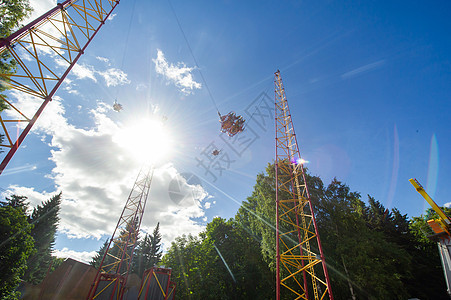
17	202
45	220
139	258
97	259
110	264
154	256
16	245
148	252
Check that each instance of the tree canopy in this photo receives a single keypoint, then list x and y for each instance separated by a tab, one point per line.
372	252
44	219
147	253
26	242
16	245
12	12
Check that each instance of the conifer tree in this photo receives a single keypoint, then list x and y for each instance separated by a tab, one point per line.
97	259
148	252
17	202
110	263
45	220
154	256
16	245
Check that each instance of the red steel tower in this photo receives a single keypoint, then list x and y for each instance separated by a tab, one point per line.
111	276
301	267
60	35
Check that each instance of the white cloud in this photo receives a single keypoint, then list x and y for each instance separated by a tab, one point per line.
82	71
39	8
207	205
34	197
69	86
111	17
70	90
95	176
104	59
141	87
179	74
52	28
51	119
114	77
48	55
79	256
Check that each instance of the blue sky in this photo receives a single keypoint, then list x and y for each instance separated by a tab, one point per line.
368	84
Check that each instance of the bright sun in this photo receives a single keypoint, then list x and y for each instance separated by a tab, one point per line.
147	140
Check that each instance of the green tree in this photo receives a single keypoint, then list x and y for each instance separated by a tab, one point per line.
257	214
111	262
372	252
371	266
189	259
367	247
148	252
12	12
97	259
426	259
16	245
223	262
45	220
243	273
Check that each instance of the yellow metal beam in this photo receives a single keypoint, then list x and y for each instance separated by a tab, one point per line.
431	202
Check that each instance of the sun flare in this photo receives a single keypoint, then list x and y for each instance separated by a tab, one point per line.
146	140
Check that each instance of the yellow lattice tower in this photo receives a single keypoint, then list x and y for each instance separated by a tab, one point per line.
301	268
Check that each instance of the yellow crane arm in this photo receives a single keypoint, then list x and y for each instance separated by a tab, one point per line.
444	220
431	202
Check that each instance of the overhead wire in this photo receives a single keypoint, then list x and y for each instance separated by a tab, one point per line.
194	58
126	40
197	64
128	34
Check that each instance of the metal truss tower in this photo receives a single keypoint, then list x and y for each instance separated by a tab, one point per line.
44	51
300	263
114	268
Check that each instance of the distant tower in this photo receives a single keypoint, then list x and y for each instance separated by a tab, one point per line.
111	276
301	268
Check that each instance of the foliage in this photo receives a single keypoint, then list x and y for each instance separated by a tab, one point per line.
221	263
12	12
16	245
372	266
372	252
97	259
426	258
187	256
146	255
148	252
45	220
26	242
